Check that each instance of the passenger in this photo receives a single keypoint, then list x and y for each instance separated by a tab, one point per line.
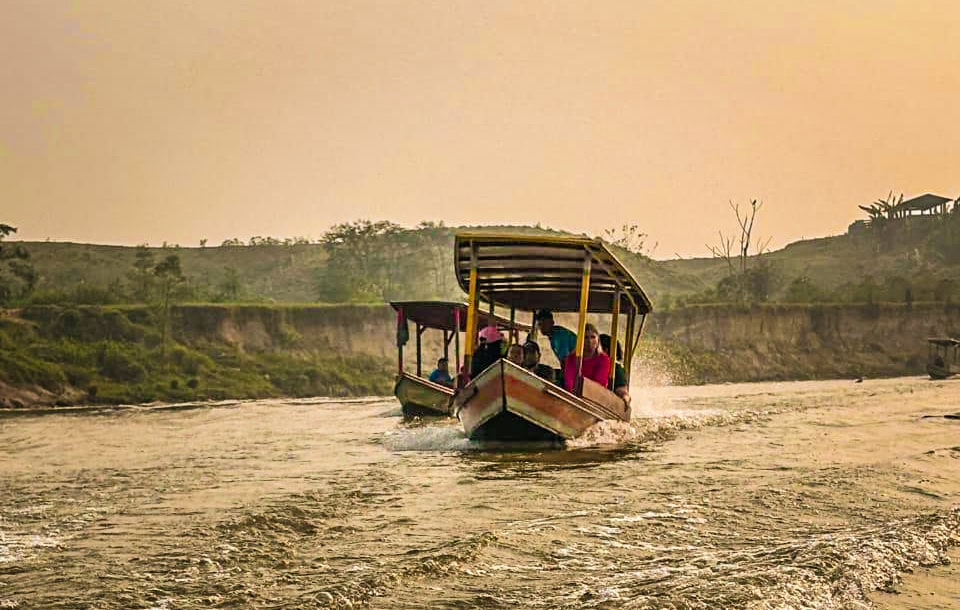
595	365
441	374
515	354
489	350
531	362
463	376
620	387
562	340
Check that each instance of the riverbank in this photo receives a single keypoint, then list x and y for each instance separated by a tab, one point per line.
51	355
57	356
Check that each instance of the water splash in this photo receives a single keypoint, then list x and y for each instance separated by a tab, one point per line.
428	438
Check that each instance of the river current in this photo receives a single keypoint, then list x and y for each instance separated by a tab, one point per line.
781	495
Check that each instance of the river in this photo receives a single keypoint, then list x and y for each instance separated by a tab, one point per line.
777	495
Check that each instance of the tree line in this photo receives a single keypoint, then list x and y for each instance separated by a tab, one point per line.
369	261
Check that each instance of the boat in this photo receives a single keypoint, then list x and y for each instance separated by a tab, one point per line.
418	396
506	402
942	357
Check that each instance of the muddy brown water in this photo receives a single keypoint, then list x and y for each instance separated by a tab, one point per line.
785	495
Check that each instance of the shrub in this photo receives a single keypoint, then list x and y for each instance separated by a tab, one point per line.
115	363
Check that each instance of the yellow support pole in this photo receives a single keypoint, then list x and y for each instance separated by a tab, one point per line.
582	321
614	330
471	331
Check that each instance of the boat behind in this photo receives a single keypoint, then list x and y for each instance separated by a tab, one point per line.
939	372
420	397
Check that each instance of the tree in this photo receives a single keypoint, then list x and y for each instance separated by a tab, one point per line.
882	210
629	237
803	290
170	276
143	276
742	282
229	288
363	260
17	275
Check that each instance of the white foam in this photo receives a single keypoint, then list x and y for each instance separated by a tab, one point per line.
427	438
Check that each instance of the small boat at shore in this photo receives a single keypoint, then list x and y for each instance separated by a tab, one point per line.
418	396
942	359
506	402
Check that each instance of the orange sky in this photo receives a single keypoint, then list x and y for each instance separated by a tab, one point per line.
128	122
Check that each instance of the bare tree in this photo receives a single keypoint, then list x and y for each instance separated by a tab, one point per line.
725	248
629	237
735	249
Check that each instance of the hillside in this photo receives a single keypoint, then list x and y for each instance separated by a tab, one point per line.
415	263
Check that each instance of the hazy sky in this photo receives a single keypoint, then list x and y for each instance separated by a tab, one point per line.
142	121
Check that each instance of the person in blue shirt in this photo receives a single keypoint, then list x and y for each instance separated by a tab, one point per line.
441	374
562	340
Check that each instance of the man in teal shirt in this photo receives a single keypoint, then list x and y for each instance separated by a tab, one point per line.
562	340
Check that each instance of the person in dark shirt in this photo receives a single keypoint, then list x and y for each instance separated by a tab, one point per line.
531	362
489	350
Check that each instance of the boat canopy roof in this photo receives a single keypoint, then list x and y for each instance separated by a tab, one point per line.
440	315
944	341
533	272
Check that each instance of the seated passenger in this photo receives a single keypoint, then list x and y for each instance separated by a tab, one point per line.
531	362
620	387
515	354
595	365
441	374
489	350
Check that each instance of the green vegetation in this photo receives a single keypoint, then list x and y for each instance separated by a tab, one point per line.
907	260
135	347
117	355
17	275
369	262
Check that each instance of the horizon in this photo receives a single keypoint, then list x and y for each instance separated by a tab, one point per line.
133	123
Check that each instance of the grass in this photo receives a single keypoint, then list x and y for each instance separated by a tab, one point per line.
288	274
114	355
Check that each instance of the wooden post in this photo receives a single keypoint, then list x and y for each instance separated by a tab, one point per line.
456	345
514	334
446	346
582	321
419	354
472	303
401	319
635	341
628	346
614	330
